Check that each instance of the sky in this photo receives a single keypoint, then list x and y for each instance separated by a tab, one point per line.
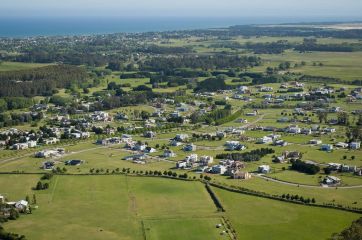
328	9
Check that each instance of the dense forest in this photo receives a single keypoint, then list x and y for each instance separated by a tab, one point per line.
40	81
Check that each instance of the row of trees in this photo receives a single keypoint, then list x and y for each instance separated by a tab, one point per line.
253	155
301	166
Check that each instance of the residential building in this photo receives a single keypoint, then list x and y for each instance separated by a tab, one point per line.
241	175
218	169
264	169
326	147
355	145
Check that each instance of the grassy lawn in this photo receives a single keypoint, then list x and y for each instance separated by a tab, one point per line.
347	197
112	207
14	66
260	218
191	229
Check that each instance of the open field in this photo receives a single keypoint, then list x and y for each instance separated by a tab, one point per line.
112	207
259	218
121	207
12	66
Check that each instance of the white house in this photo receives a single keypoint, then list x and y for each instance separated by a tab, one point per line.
169	153
315	141
19	146
264	169
21	205
293	129
191	158
341	145
264	140
181	164
355	145
331	180
219	169
31	144
234	145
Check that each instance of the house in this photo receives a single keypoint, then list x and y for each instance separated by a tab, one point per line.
20	146
242	89
355	145
293	155
51	140
49	153
315	141
306	131
264	169
31	144
265	89
74	162
168	153
100	116
149	134
283	120
293	129
181	137
189	147
234	145
347	168
221	134
22	205
232	166
279	159
327	147
181	164
241	175
175	143
264	140
206	160
251	114
48	165
329	130
280	142
108	141
334	166
341	145
218	169
121	116
136	157
139	147
191	158
150	150
175	114
331	180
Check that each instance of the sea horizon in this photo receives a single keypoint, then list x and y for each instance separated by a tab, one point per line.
11	27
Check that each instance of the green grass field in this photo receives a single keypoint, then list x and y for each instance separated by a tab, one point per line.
13	66
112	207
260	218
120	207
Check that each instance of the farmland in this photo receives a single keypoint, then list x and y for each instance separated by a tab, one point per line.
115	207
122	140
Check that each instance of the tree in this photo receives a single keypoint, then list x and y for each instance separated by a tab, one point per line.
322	116
343	118
39	186
34	199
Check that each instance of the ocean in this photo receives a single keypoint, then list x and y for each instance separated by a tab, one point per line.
28	27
